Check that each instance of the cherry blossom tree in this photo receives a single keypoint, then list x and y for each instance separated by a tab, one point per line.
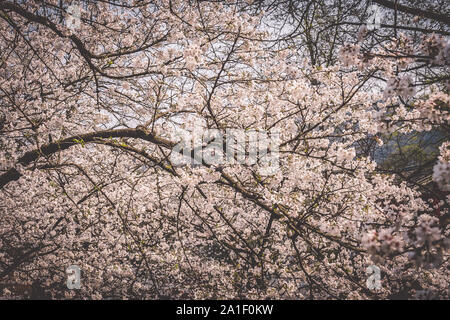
92	107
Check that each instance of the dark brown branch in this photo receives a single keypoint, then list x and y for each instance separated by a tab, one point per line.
418	12
51	148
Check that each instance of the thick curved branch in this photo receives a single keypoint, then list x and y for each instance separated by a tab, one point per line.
51	148
418	12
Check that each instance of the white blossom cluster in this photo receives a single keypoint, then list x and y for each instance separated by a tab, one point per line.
402	86
441	171
427	231
349	55
438	48
382	243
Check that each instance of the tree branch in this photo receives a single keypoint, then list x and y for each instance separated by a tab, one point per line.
418	12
